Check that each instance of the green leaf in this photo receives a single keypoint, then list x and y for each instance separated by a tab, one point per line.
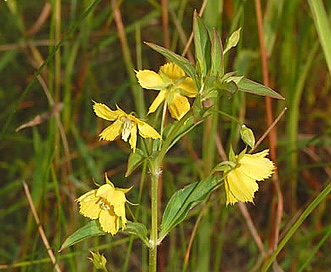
89	230
241	154
183	201
178	129
232	155
137	229
223	167
322	25
202	45
134	161
250	86
217	57
230	87
233	40
177	59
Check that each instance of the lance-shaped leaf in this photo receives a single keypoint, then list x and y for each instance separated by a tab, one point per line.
91	229
217	57
183	201
177	59
250	86
202	45
177	130
137	229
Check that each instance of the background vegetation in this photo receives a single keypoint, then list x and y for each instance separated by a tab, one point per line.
57	56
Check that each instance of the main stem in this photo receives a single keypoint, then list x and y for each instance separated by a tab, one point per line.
155	169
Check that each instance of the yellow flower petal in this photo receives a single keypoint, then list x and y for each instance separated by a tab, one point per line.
133	138
179	106
172	71
230	198
111	132
102	111
150	80
240	187
188	88
104	191
157	101
146	131
257	166
120	212
117	198
88	205
109	222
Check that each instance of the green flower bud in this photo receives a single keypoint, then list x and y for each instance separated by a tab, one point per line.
99	261
247	136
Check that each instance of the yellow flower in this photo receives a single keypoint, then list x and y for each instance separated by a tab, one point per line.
174	87
107	204
240	182
124	124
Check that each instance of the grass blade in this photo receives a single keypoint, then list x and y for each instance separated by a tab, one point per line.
322	27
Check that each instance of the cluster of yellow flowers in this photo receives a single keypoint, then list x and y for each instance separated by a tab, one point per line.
107	203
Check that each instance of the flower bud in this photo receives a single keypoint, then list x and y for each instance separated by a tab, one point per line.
247	136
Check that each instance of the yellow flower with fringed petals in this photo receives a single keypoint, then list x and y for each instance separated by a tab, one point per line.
240	182
124	124
107	204
174	87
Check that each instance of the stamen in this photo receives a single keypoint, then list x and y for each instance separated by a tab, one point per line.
104	205
126	131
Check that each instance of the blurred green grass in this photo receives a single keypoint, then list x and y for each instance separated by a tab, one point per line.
62	157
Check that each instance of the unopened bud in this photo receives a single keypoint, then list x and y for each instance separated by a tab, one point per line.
99	261
247	136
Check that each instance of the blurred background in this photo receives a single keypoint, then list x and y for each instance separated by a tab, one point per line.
56	57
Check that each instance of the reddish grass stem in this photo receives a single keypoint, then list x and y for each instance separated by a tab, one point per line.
165	23
278	210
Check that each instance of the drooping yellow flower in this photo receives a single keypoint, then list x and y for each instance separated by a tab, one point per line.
240	182
174	87
107	204
124	124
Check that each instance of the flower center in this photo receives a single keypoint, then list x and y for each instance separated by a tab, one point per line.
104	205
126	131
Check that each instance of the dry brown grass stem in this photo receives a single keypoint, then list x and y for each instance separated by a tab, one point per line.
44	14
40	228
165	23
194	231
202	9
181	34
276	221
265	134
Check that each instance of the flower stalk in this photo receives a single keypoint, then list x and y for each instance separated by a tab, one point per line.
154	222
